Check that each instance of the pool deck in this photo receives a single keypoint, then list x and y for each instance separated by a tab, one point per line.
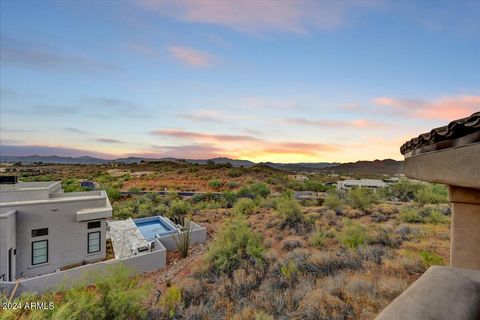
125	235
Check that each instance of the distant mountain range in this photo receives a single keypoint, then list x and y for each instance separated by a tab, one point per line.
387	166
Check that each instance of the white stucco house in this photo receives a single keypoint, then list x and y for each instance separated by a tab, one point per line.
43	229
372	184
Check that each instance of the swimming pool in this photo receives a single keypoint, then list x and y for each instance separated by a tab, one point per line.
152	226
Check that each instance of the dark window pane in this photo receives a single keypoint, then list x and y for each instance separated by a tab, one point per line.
94	224
40	232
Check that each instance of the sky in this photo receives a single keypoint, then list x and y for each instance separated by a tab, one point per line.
263	80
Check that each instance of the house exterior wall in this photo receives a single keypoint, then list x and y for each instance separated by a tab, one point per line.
7	242
67	238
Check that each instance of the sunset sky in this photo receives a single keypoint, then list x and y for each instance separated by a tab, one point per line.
283	81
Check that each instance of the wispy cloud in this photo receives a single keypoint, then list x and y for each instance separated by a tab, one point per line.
210	116
251	16
43	57
191	57
108	140
242	146
444	108
203	137
74	130
330	123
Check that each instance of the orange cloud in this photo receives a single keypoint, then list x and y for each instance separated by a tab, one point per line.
444	108
191	57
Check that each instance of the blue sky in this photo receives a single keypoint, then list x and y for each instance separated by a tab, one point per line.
282	81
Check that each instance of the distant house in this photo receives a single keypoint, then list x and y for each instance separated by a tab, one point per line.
372	184
88	185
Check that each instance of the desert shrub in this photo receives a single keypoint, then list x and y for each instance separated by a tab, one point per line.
113	193
134	190
410	215
244	206
235	172
404	190
429	259
170	301
289	270
390	288
321	305
353	234
314	185
323	264
289	210
229	198
178	210
432	215
232	184
385	237
235	243
317	239
290	244
431	193
374	254
361	198
72	185
257	189
332	200
215	184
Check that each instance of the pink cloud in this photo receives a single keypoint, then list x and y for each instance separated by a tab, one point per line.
249	146
191	57
207	137
318	123
444	108
296	16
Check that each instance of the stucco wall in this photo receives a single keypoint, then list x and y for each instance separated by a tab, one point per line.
67	238
7	242
198	234
137	264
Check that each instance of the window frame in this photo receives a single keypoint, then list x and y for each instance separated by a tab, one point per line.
99	242
33	250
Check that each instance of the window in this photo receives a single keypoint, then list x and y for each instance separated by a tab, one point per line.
93	225
40	232
93	242
39	252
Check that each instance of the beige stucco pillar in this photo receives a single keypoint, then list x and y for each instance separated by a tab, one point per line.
465	230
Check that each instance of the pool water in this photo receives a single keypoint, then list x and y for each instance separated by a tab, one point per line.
150	227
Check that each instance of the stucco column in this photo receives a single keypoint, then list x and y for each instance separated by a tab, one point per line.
465	230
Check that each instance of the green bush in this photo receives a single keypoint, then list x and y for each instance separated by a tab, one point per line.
404	190
171	300
234	244
135	190
431	194
353	234
436	217
361	198
178	210
257	189
72	185
232	184
289	270
410	215
314	185
115	296
244	206
289	210
317	239
215	184
332	200
113	193
429	259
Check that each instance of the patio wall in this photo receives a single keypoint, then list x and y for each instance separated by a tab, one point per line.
137	264
198	234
